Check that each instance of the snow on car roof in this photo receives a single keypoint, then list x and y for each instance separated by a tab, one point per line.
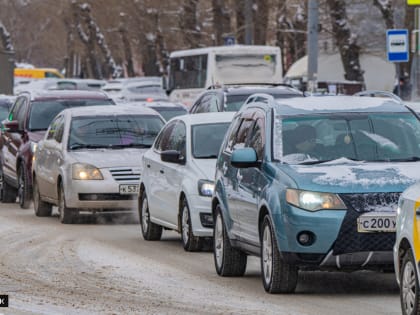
204	118
101	110
328	104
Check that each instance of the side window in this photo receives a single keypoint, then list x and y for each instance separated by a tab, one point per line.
56	129
178	138
21	114
257	138
204	104
214	103
162	142
233	130
242	134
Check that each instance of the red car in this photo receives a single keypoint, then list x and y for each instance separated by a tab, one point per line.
27	122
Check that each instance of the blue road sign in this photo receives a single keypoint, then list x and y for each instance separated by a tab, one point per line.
397	45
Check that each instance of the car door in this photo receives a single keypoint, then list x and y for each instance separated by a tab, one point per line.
13	140
153	174
237	140
55	154
250	184
173	174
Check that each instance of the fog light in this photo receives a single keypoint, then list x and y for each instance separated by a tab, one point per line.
306	238
206	220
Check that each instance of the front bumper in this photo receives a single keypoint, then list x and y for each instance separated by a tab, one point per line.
200	207
98	195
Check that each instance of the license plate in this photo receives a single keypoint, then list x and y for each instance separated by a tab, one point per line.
127	189
376	222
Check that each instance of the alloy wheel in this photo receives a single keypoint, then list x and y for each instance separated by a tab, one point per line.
185	225
267	254
408	287
145	215
218	240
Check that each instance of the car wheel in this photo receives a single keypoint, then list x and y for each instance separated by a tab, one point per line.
66	215
190	242
8	193
42	209
150	230
229	261
277	275
24	188
409	282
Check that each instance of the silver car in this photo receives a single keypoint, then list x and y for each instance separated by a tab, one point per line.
90	158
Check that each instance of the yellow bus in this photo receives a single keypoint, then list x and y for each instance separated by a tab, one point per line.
37	73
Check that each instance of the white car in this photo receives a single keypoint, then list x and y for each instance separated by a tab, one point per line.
178	178
407	249
90	158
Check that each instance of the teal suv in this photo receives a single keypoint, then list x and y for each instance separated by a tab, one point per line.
312	184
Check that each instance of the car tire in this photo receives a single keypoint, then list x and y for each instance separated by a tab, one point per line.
277	275
24	187
8	193
190	242
66	215
42	208
150	230
229	261
409	283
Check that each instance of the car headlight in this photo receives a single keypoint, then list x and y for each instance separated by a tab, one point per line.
205	187
313	201
34	145
85	171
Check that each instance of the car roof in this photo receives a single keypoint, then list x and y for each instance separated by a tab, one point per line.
332	104
103	110
66	94
163	104
205	118
251	89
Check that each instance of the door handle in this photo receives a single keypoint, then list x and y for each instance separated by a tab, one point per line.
161	171
148	165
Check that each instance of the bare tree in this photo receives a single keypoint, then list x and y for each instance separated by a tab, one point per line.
221	21
291	32
189	23
93	37
129	65
260	21
346	41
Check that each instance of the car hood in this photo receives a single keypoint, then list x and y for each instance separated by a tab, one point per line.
103	158
345	176
36	136
206	168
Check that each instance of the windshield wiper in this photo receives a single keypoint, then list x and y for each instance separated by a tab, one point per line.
129	145
408	159
76	146
211	156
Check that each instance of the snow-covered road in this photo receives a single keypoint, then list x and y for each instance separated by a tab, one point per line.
105	268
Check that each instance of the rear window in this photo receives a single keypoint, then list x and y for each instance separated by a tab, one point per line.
43	112
235	102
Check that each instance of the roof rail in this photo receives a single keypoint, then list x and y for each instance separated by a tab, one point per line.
378	93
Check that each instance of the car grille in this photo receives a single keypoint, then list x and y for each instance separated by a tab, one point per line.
105	197
349	240
124	174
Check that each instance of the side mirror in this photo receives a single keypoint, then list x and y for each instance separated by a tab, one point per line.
172	156
245	157
12	125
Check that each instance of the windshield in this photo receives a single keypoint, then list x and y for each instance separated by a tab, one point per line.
43	112
362	137
168	113
235	102
207	139
235	68
114	131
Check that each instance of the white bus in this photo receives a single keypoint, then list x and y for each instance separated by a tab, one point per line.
191	71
